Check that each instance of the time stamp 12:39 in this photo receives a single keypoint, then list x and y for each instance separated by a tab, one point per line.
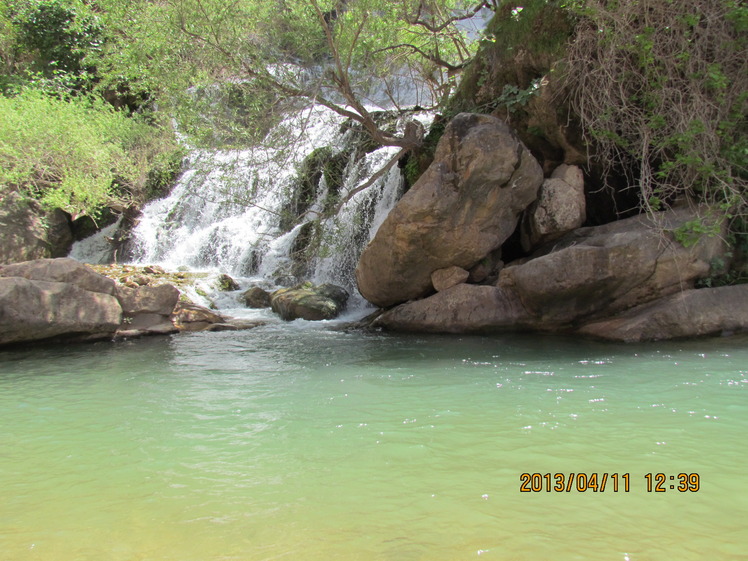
600	482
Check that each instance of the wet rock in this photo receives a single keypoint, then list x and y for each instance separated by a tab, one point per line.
226	284
691	313
309	302
463	207
255	297
191	317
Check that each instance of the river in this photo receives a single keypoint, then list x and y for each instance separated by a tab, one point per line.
303	441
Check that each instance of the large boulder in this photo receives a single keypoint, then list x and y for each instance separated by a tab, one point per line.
462	208
691	313
463	308
60	270
306	301
160	299
32	310
29	232
255	297
599	271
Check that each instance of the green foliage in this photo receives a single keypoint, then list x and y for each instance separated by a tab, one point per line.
77	154
269	55
661	88
60	32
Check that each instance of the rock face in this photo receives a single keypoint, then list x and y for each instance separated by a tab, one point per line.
560	208
462	208
602	270
459	309
28	232
624	280
442	279
309	302
60	270
691	313
39	301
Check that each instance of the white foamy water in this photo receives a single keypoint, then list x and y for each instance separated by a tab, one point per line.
224	213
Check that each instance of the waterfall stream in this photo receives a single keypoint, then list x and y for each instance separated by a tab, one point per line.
235	211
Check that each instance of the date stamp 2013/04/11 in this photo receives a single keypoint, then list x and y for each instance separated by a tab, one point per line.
601	482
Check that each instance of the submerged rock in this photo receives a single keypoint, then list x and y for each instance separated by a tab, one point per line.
255	297
306	301
462	208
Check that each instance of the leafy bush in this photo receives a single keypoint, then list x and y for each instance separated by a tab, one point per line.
661	87
77	154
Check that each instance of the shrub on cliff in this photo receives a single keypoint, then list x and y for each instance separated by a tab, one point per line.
77	154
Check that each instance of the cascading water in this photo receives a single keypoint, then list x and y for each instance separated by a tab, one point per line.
233	211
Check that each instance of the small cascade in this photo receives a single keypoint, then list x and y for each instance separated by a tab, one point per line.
268	211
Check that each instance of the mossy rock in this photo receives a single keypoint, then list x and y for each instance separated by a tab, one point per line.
309	302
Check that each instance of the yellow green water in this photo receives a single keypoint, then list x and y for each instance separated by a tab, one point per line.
311	444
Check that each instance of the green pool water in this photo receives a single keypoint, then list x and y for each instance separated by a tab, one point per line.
305	443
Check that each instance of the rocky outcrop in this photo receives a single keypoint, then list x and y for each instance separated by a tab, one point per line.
61	270
462	208
625	280
62	299
560	208
55	298
691	313
29	232
601	270
306	301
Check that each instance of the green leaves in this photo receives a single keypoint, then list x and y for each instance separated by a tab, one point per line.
77	154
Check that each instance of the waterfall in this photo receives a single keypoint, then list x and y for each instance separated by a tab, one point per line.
260	212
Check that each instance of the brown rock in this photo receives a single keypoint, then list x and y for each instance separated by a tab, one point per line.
32	310
442	279
29	232
60	270
309	302
463	207
159	299
255	297
691	313
560	208
191	317
462	308
605	269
